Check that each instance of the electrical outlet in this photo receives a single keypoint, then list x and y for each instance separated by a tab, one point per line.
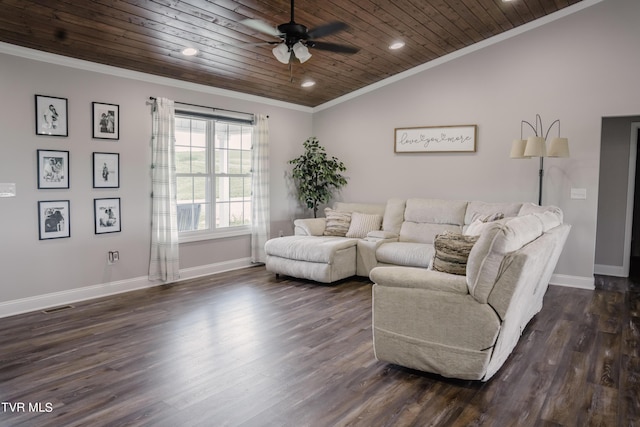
579	193
113	256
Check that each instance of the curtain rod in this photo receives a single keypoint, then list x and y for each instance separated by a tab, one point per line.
152	98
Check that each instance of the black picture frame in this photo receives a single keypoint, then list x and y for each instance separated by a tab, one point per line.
54	220
106	170
53	169
107	215
52	115
105	120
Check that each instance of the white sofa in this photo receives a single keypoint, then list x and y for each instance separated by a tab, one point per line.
405	238
463	322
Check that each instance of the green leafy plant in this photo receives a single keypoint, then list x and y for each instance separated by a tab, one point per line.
316	175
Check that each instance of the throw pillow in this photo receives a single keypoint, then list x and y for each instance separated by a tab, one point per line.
337	222
362	224
452	252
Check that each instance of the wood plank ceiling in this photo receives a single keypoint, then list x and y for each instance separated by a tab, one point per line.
148	36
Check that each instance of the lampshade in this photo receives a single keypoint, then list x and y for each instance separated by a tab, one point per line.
559	147
281	52
517	149
301	52
536	147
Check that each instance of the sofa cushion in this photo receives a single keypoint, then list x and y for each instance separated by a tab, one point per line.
499	239
405	254
451	252
477	209
308	248
435	211
426	218
549	220
393	215
362	223
530	208
482	222
338	222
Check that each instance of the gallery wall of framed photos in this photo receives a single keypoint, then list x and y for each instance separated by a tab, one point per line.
54	166
59	270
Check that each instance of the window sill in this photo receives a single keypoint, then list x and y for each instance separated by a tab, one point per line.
198	236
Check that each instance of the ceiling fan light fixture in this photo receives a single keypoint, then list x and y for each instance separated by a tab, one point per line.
281	52
189	51
301	52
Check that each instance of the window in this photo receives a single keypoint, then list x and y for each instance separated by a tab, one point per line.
213	172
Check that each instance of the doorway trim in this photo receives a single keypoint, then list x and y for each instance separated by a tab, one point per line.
628	227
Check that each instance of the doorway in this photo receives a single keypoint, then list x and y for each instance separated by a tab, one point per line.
619	154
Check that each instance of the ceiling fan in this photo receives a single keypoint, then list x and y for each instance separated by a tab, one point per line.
296	39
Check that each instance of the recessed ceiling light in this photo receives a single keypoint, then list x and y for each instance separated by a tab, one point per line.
307	83
396	45
189	51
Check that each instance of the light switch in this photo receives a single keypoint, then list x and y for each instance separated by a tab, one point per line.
579	193
7	189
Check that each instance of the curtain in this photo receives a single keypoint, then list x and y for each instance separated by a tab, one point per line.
164	260
260	221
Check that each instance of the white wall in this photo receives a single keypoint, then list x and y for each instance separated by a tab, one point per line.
576	69
39	273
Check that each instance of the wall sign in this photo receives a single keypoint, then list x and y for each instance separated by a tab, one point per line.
436	139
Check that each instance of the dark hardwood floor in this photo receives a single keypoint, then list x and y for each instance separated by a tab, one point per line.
246	349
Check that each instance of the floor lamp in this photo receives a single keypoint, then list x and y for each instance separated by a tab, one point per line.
536	146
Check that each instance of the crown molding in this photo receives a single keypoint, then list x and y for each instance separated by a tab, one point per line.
80	64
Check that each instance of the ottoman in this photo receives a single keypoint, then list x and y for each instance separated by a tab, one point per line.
324	259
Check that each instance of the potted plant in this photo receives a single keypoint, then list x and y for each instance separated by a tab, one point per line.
316	175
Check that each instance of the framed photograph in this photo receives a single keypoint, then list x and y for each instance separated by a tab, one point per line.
51	116
107	215
436	139
106	170
53	169
106	121
53	217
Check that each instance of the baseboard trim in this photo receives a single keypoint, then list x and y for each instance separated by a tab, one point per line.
609	270
573	281
56	299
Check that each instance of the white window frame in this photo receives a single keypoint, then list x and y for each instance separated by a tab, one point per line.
212	232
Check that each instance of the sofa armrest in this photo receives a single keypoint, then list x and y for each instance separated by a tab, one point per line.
419	278
433	320
366	254
309	226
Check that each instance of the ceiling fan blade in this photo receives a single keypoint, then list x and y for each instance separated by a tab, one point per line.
261	26
332	47
326	29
